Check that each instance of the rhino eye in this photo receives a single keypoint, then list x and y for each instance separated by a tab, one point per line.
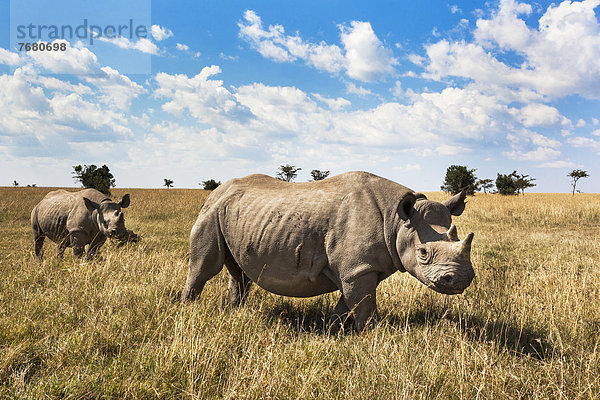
423	255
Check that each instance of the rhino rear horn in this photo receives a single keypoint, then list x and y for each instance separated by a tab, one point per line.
456	204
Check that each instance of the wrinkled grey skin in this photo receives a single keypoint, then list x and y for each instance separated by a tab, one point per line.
346	233
76	219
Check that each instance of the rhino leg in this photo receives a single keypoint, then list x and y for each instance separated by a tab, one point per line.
95	245
78	241
207	255
239	283
38	242
62	246
200	272
61	251
340	316
359	296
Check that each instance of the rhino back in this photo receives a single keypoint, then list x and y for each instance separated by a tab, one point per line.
91	194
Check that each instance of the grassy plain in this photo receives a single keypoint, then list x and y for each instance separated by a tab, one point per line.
528	327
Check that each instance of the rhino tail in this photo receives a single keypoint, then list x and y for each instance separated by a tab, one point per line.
38	234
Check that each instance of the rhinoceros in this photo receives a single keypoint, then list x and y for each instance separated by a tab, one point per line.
347	233
75	219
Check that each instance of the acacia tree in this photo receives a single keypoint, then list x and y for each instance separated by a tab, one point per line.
522	182
459	177
287	172
513	183
93	177
576	175
15	183
318	175
485	184
168	183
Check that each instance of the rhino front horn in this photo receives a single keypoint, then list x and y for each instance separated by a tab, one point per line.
465	246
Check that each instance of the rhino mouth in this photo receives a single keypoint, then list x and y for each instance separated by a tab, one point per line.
454	282
116	234
127	237
446	290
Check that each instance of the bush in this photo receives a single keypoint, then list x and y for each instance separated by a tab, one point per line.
505	184
459	177
318	175
92	177
210	184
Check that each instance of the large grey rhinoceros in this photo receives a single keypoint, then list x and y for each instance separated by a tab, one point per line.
345	233
75	219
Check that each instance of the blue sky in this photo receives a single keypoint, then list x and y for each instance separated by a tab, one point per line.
224	89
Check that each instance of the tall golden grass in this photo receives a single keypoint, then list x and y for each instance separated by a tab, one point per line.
528	327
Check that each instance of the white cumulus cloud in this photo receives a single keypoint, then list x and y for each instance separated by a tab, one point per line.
539	154
204	98
76	60
560	164
364	57
160	33
585	142
116	89
333	104
143	45
536	114
351	88
559	58
36	123
9	58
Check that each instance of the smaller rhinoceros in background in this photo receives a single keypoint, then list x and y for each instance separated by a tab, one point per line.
75	219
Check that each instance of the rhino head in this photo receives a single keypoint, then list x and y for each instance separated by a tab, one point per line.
109	217
428	244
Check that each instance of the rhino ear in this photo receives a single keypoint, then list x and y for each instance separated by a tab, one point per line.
91	205
124	203
456	204
405	207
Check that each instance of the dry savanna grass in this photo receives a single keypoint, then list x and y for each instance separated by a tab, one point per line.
528	327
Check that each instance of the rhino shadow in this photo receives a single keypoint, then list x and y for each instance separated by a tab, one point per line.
314	318
506	335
